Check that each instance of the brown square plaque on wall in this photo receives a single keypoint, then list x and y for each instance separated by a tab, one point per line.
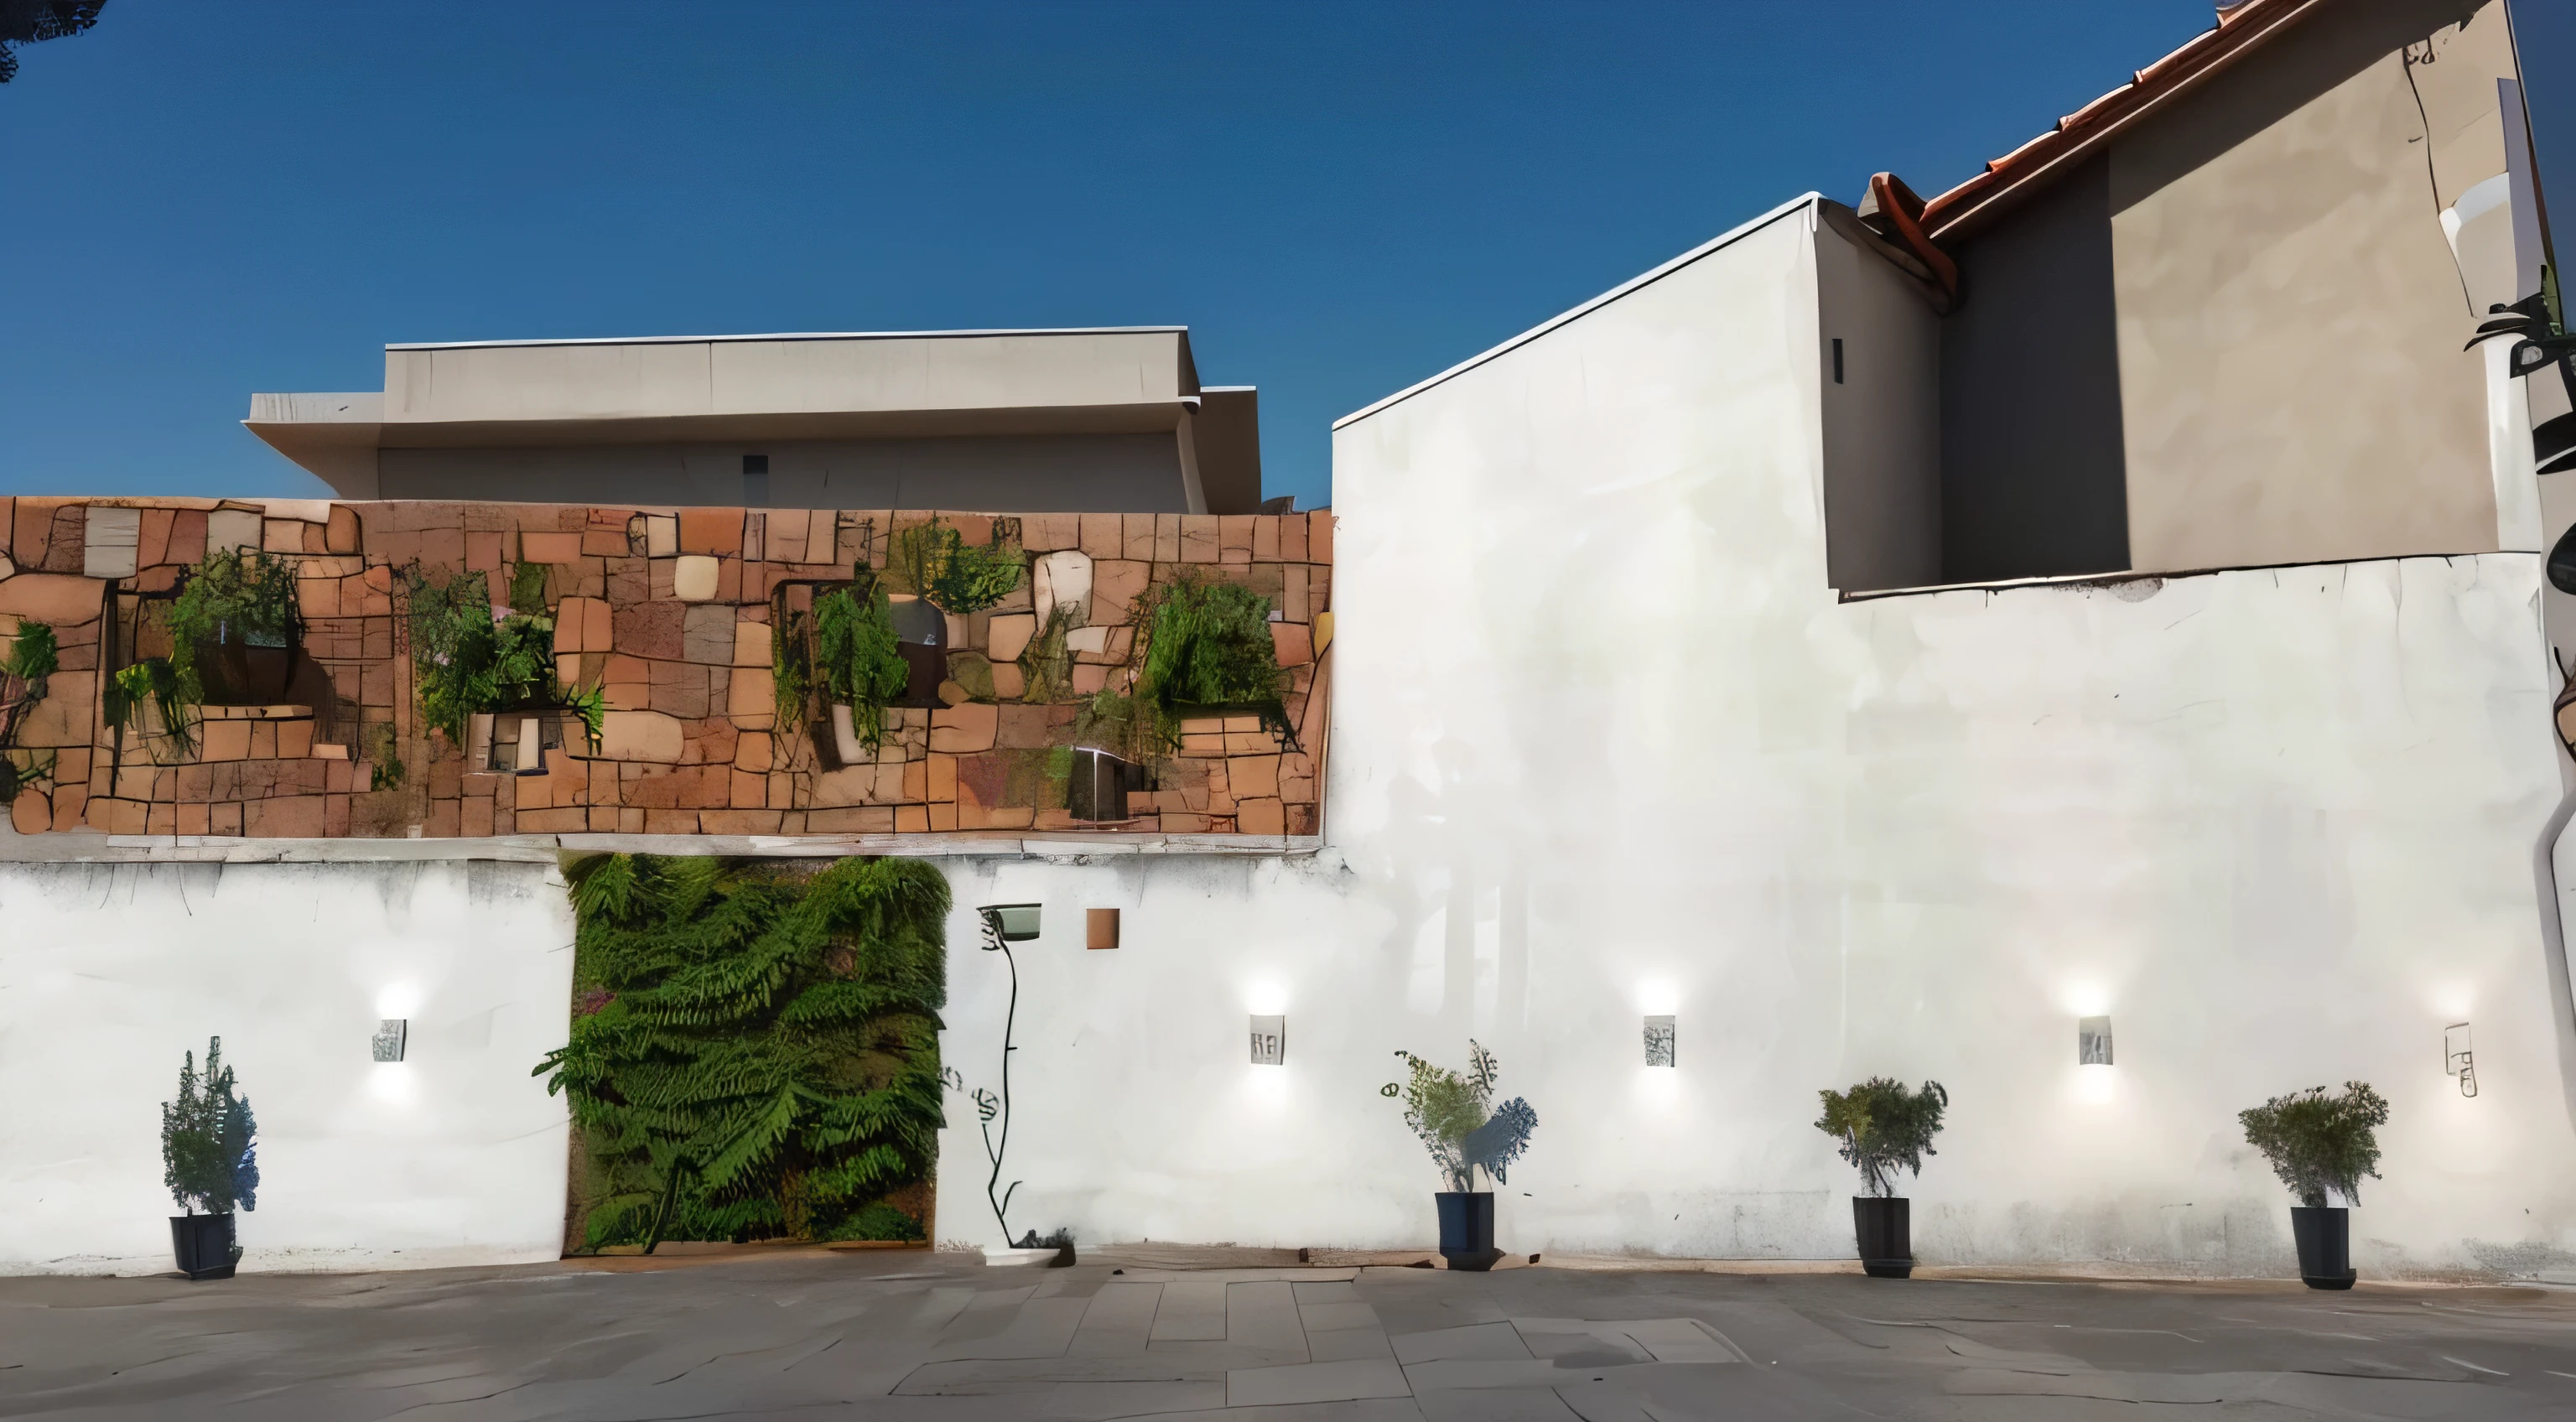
1100	928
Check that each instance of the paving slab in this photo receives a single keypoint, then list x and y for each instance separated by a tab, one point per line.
905	1338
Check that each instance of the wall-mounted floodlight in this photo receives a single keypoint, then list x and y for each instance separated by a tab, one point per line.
390	1034
1011	923
2093	1041
1659	1041
1270	1041
2457	1060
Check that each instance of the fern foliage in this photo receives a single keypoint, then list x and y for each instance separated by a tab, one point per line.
762	1057
1210	649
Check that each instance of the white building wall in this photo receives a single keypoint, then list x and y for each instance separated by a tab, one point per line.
108	972
1606	744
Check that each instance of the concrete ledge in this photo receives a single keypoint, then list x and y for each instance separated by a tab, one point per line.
82	847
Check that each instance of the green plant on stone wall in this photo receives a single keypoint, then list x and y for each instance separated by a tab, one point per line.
384	757
936	562
1883	1127
760	1053
1046	664
25	673
158	683
857	659
1208	648
246	596
2317	1143
528	587
465	664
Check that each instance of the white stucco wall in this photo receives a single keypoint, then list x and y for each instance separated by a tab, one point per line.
1605	744
108	973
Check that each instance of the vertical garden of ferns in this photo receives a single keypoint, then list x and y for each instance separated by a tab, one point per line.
754	1051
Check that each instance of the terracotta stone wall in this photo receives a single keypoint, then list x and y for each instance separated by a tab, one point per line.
667	611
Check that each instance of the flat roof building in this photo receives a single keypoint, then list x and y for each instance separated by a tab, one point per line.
1088	421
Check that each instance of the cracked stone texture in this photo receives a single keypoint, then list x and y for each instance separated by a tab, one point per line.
903	1335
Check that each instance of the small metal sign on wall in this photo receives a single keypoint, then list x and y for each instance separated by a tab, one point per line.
1659	1041
1269	1041
390	1033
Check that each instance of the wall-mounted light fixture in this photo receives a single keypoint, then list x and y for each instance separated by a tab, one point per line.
1659	1041
1100	928
1269	1041
1012	923
390	1034
2457	1059
2093	1041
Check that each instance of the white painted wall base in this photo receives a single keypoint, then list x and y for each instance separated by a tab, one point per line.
108	973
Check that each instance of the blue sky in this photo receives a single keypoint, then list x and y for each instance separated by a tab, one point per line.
207	200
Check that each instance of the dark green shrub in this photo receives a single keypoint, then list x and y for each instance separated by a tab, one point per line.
763	1057
1883	1127
209	1157
2317	1142
1209	649
32	659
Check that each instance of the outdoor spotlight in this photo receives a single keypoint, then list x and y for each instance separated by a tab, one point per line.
2093	1041
2457	1060
1011	923
1659	1041
1270	1041
390	1033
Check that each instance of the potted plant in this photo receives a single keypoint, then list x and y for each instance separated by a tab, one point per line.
1464	1133
1208	647
1882	1127
233	629
2318	1143
470	667
209	1160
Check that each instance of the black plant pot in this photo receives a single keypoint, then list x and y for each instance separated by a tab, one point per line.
1886	1235
238	672
1467	1229
204	1244
928	666
2324	1234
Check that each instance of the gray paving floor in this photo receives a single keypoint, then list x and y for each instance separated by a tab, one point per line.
917	1336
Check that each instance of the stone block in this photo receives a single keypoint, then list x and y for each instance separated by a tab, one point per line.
1007	635
751	645
295	741
111	542
1252	776
1292	644
340	534
641	735
292	817
1115	586
223	740
711	531
1199	535
483	553
751	752
695	577
32	812
707	636
59	598
751	698
738	822
651	629
550	547
959	729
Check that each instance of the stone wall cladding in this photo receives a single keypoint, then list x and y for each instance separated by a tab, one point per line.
667	610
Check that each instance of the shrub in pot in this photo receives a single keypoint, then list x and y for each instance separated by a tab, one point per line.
209	1160
2318	1143
1882	1128
1452	1114
233	629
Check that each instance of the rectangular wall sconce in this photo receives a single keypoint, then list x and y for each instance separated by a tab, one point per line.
1269	1041
1659	1041
2457	1060
1100	928
390	1033
2093	1041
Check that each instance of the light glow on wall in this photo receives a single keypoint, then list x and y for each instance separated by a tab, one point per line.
1658	997
398	1000
1266	997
